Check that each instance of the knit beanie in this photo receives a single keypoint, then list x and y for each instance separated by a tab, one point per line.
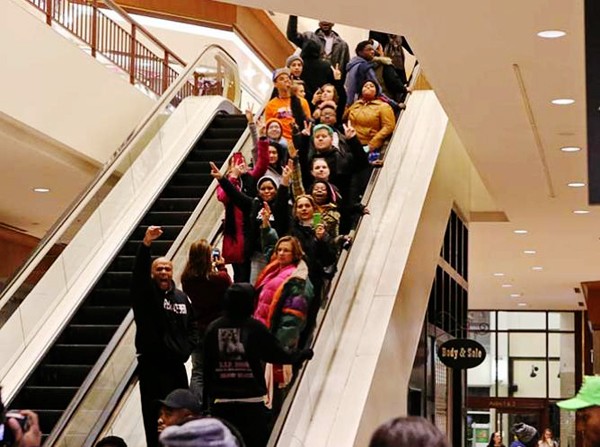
525	433
205	432
292	58
323	126
280	71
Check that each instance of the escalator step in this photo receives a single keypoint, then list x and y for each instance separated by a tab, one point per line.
198	179
117	280
195	167
216	143
108	297
122	263
175	204
45	397
60	375
75	354
100	314
48	419
169	232
184	191
222	132
91	334
165	218
238	121
208	155
159	246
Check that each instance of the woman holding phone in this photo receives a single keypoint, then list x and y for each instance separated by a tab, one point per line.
204	280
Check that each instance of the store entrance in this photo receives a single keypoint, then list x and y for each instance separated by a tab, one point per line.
488	415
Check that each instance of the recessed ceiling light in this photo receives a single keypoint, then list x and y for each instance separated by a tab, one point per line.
551	34
498	274
537	268
41	190
515	295
506	286
576	184
522	304
563	101
581	212
520	231
570	149
529	252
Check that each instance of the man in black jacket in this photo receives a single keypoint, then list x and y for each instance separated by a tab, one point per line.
235	349
164	332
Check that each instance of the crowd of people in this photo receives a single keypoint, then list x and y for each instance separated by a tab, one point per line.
288	212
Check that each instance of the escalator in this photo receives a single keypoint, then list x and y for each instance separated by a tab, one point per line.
57	378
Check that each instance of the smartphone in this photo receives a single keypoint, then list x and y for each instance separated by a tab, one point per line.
316	219
216	254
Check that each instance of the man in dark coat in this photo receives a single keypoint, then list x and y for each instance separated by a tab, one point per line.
164	331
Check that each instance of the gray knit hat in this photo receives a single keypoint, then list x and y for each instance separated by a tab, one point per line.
292	58
205	432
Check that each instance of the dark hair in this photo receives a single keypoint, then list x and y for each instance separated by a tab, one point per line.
330	198
408	432
491	443
361	46
281	156
111	441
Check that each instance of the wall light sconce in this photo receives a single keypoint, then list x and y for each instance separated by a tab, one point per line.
534	370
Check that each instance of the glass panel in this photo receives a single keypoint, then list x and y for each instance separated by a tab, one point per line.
528	344
554	378
521	320
561	321
502	366
528	377
567	366
554	345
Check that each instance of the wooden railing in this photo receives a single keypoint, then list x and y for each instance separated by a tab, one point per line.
127	46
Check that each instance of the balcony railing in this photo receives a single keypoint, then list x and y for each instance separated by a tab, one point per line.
128	46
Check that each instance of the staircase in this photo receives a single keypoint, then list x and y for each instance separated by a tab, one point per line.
57	378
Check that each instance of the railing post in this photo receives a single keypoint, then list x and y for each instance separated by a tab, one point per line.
94	42
49	11
132	56
195	87
165	76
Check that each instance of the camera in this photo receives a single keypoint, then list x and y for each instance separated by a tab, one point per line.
216	254
7	437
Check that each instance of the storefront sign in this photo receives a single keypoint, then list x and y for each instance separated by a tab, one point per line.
461	353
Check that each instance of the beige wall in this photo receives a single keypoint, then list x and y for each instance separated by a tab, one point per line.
453	184
51	85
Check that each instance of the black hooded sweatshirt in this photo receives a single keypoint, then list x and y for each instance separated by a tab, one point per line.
236	347
316	72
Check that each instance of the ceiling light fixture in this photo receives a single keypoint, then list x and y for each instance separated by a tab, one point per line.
506	286
570	149
515	295
581	212
522	304
563	101
498	274
41	190
551	34
537	268
529	252
520	231
576	184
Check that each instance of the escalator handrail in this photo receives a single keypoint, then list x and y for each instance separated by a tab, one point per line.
128	321
282	417
63	222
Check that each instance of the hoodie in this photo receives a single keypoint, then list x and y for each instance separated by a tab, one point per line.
316	72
